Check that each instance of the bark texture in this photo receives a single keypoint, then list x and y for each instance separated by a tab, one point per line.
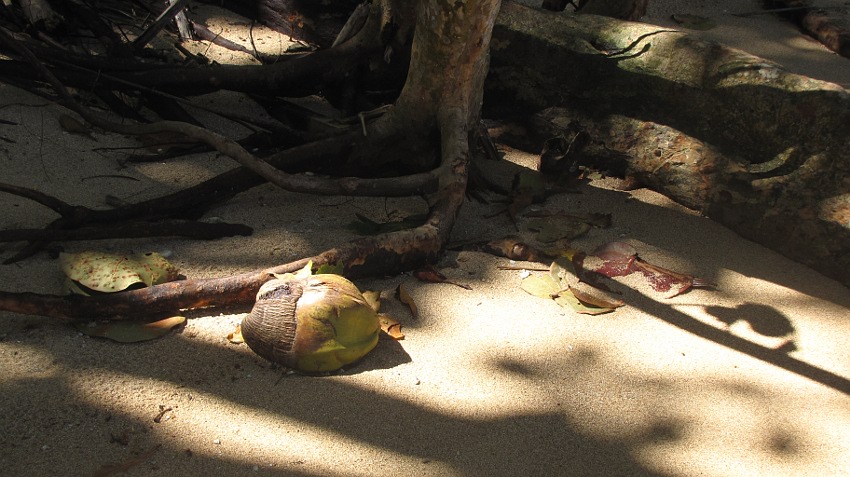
763	151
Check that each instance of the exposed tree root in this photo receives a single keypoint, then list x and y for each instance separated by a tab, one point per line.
383	254
447	103
756	148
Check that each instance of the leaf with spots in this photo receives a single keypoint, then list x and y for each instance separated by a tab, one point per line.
100	272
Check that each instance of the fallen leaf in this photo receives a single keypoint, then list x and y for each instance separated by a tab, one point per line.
550	229
543	286
390	326
332	269
74	126
594	297
663	280
130	331
404	297
108	273
560	284
566	299
235	336
430	275
616	259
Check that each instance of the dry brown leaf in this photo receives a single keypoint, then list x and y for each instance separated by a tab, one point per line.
235	336
430	275
404	297
390	326
595	297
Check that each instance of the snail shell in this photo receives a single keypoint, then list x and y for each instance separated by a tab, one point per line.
315	324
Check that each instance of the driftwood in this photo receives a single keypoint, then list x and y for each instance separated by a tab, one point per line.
760	150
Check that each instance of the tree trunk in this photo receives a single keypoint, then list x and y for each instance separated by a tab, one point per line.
760	150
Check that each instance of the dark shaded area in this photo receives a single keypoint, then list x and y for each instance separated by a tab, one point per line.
98	434
761	318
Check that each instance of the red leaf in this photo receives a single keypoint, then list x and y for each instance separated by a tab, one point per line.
664	280
617	259
429	275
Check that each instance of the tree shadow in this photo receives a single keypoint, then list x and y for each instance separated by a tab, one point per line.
96	426
762	319
776	356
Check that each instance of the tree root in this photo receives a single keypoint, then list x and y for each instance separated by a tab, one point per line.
388	253
454	119
268	169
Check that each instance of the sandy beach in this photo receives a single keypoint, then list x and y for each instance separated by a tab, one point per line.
751	377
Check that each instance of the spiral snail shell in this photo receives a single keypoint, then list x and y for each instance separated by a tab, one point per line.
316	323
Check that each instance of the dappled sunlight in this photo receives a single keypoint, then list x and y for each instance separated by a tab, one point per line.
764	37
748	376
253	36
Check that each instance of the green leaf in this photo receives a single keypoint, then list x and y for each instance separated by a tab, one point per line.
563	271
543	286
333	269
109	273
567	300
130	331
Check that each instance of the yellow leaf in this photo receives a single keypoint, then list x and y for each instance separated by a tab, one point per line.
373	298
109	273
404	297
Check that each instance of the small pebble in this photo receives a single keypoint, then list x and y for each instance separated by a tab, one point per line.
217	441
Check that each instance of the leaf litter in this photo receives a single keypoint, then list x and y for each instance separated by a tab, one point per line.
579	283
